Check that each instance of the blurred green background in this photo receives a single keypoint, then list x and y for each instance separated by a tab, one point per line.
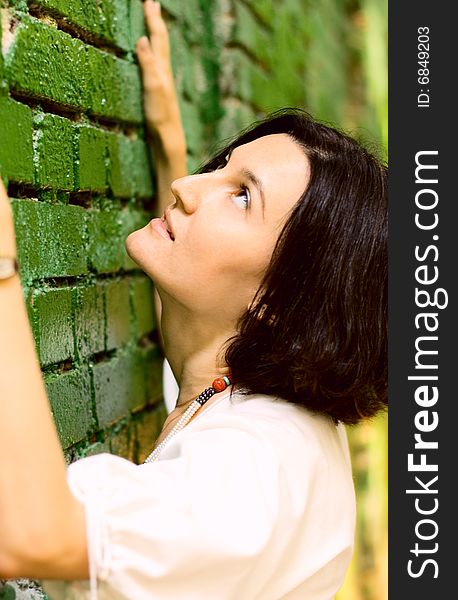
353	91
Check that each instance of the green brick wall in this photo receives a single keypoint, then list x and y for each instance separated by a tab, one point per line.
81	177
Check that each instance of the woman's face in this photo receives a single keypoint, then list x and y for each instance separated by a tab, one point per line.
224	227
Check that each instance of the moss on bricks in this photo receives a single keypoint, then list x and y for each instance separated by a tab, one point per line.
130	103
137	22
120	155
152	366
122	442
148	426
129	167
106	242
52	241
52	324
16	147
118	386
47	63
90	164
192	125
53	137
69	394
250	33
114	87
89	320
141	170
83	13
142	293
117	308
116	21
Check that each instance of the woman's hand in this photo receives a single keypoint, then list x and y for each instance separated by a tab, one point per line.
162	110
7	233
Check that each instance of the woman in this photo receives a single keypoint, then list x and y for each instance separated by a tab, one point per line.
270	265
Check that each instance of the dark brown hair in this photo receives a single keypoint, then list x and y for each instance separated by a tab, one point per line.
316	334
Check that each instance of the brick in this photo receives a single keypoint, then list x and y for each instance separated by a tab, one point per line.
250	33
117	23
266	9
52	324
89	319
137	21
129	169
98	447
118	319
53	137
194	28
189	75
90	163
84	13
47	63
326	64
249	82
16	147
122	441
142	293
237	116
119	149
118	386
141	172
192	124
107	18
178	52
106	251
194	77
69	394
52	240
174	7
130	99
114	87
148	426
152	365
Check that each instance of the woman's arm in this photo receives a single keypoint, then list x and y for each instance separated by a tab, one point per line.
163	121
41	524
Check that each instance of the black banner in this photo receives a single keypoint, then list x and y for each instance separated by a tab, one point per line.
423	414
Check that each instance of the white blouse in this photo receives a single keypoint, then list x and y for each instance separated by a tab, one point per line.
252	500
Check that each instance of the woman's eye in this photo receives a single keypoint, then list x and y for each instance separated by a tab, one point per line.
242	198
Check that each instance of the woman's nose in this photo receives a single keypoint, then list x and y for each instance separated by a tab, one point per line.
185	191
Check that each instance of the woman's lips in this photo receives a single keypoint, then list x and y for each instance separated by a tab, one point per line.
159	226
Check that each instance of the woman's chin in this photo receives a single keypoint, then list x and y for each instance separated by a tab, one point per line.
135	248
131	245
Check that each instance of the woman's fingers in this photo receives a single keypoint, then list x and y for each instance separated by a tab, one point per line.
147	63
153	52
159	37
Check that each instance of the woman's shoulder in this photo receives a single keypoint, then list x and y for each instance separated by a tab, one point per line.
291	430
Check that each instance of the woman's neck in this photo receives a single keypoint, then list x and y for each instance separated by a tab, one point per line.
192	345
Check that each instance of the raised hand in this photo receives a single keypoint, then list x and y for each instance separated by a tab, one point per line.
163	120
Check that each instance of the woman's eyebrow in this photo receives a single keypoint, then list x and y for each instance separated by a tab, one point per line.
257	182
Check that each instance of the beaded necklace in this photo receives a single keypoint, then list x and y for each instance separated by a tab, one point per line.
218	385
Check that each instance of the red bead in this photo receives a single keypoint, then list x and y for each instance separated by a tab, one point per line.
219	385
